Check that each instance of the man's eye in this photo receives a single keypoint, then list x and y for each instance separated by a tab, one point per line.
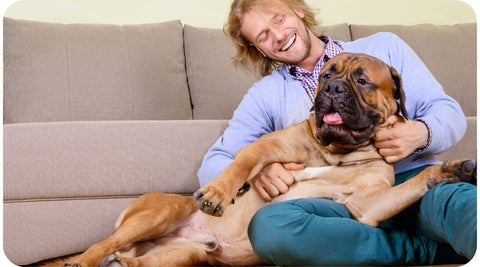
279	19
264	38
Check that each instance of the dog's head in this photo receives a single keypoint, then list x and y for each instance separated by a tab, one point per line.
355	94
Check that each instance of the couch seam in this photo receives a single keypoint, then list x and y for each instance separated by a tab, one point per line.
54	199
350	31
192	106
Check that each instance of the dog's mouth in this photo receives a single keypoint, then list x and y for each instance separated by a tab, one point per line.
334	119
340	133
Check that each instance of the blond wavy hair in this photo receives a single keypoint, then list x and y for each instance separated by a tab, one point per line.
247	55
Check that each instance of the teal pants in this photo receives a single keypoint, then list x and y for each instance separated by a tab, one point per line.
323	232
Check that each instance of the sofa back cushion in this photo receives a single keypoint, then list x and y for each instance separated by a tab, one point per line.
216	86
449	51
57	72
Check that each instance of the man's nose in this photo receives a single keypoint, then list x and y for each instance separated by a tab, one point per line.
278	33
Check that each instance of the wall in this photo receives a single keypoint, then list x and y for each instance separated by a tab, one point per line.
212	13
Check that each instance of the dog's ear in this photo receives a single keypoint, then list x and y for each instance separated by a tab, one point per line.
398	92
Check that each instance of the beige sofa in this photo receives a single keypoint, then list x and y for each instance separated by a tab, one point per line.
96	115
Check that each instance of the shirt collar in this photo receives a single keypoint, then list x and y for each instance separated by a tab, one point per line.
332	48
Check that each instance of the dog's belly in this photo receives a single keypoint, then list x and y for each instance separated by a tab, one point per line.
225	238
312	173
313	189
318	182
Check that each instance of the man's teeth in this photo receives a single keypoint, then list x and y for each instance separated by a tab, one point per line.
287	45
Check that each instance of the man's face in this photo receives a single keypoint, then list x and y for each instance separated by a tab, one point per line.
278	32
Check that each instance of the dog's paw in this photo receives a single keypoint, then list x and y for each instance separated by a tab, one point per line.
466	171
112	260
463	170
212	201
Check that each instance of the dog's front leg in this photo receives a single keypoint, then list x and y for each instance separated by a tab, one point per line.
280	146
214	197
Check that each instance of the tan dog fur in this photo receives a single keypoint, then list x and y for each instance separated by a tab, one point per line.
165	229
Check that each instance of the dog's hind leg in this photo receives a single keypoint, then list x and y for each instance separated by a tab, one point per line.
383	204
171	251
148	217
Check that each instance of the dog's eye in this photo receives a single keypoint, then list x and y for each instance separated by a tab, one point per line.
326	76
361	81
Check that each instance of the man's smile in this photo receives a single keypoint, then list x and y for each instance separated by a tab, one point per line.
289	43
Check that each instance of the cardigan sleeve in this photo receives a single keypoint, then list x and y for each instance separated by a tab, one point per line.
426	99
250	121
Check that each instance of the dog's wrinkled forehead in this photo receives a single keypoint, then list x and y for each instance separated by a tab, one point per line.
353	63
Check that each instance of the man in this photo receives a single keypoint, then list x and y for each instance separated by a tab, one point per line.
270	33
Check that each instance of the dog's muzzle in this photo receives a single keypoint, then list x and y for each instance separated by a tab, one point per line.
340	117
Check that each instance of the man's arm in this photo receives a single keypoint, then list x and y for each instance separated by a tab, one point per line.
426	101
437	118
250	121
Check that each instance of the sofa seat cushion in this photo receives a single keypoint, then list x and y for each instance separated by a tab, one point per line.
115	158
39	230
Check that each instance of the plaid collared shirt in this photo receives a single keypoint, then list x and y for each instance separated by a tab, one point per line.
309	79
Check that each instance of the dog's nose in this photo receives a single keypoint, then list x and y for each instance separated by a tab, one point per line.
335	87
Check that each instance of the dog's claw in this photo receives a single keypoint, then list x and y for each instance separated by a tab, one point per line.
111	260
218	211
197	195
207	206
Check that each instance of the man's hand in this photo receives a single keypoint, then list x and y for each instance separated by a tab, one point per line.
274	179
402	139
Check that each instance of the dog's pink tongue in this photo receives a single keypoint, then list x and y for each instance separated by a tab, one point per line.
333	118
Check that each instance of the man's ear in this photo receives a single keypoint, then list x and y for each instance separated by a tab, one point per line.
398	92
258	49
261	52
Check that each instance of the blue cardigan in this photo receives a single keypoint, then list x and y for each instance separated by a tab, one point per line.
278	101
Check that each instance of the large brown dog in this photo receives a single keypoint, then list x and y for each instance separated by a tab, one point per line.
356	94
